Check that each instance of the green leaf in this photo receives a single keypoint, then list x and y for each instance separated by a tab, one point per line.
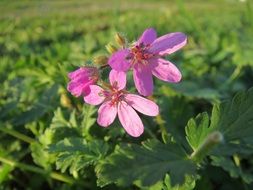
60	121
40	156
76	153
235	118
194	90
5	171
88	119
39	150
189	184
145	165
235	171
197	130
62	127
41	107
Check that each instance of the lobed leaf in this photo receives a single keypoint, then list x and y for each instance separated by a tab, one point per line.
75	153
145	165
234	119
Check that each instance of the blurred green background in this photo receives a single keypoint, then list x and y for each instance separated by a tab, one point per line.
41	41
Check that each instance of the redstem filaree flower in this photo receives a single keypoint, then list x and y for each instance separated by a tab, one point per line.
116	100
145	58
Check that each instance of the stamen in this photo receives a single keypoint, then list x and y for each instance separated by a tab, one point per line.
116	96
140	54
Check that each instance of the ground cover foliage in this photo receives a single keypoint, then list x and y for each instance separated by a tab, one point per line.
50	139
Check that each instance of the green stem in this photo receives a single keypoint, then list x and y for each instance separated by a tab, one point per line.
17	135
209	143
38	170
104	66
163	129
235	74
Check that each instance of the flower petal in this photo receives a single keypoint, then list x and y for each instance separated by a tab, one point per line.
147	37
130	119
78	88
118	78
166	71
95	96
75	73
106	114
83	72
142	105
169	43
143	79
118	61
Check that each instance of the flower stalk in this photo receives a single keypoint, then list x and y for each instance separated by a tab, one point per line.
54	175
17	134
209	143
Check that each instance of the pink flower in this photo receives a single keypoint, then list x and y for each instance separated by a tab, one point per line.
116	101
145	58
81	79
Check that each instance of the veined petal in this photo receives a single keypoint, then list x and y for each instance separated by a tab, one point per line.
147	37
130	119
168	43
76	73
77	88
118	61
82	72
165	70
118	78
142	105
143	79
106	114
95	96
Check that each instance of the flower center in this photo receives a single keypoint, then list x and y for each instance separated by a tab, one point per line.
113	95
116	97
140	54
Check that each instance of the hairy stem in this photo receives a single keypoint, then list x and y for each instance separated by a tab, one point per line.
54	175
209	143
16	134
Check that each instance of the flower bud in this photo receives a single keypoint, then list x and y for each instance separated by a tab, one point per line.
81	79
120	39
111	48
65	101
100	60
207	145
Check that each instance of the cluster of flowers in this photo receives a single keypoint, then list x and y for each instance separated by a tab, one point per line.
144	57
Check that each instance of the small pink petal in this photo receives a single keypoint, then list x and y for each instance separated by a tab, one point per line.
106	114
87	90
142	105
143	79
95	97
82	72
168	43
118	61
81	79
130	119
165	70
75	73
79	88
118	78
147	37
